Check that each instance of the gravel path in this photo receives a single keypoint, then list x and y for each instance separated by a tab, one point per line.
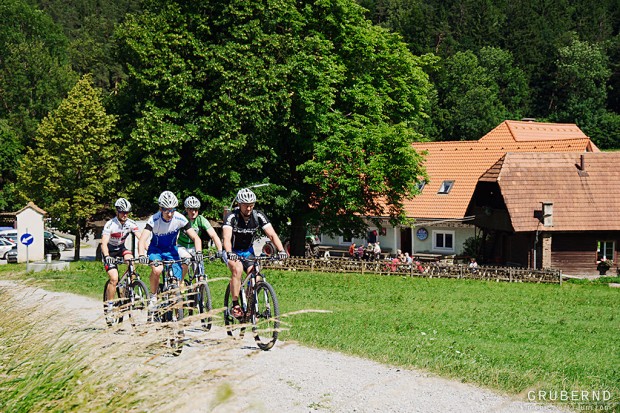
217	374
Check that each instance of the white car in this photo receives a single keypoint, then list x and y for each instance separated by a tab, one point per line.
5	247
61	242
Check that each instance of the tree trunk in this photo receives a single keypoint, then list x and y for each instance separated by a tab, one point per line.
298	237
78	237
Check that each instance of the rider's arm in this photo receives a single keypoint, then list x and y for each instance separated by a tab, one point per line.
271	233
191	233
215	238
105	238
144	237
227	235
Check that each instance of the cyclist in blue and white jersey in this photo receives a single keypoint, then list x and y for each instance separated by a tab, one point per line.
115	232
238	231
163	228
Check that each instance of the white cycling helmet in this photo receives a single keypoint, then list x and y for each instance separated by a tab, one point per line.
192	202
168	200
246	196
122	205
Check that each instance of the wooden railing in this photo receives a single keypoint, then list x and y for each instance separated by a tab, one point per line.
431	270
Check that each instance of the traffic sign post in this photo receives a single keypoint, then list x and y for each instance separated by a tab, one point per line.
26	239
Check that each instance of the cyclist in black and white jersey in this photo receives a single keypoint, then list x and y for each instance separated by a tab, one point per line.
115	232
238	231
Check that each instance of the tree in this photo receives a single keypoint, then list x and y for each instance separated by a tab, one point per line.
296	93
34	77
469	103
73	165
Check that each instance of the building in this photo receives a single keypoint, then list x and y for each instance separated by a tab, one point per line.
442	223
550	210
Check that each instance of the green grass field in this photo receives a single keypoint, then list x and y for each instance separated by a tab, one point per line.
512	337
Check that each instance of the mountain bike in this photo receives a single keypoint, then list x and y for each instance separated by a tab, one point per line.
169	309
259	303
198	294
131	297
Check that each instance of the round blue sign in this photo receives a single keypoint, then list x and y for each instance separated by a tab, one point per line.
26	239
422	234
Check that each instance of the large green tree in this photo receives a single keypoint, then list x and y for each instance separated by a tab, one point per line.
306	95
73	166
34	77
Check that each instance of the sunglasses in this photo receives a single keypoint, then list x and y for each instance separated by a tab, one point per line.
170	211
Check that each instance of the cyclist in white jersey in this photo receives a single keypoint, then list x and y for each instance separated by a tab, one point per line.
115	232
163	228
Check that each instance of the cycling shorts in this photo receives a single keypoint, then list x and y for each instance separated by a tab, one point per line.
248	255
118	251
187	252
156	254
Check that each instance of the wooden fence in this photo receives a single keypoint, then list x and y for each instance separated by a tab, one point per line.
431	270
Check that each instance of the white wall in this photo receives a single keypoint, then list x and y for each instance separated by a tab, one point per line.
30	221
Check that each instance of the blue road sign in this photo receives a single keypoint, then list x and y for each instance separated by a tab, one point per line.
26	239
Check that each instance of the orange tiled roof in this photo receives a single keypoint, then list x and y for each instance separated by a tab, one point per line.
581	201
465	161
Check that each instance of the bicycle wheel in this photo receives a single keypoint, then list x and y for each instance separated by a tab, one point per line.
138	300
203	298
234	327
116	315
265	316
172	316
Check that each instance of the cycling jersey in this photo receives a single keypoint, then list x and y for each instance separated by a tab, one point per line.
165	233
243	232
199	224
119	232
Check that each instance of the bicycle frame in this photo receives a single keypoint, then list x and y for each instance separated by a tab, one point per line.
259	303
132	295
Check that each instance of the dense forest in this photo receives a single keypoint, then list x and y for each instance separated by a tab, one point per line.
320	99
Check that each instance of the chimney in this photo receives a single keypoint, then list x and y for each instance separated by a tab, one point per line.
547	212
582	165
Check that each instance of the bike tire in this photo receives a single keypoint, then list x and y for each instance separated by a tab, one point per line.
138	302
234	327
117	315
265	316
205	305
172	316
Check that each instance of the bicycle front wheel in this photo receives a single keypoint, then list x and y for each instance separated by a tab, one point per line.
235	327
114	316
172	316
205	305
266	316
138	296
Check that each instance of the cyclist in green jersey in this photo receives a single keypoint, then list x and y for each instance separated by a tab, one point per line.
201	225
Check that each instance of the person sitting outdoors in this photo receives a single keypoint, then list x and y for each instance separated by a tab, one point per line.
352	250
473	265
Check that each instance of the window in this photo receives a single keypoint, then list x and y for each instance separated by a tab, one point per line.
443	241
605	250
420	185
345	240
445	187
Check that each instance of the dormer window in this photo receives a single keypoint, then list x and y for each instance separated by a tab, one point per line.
445	187
420	185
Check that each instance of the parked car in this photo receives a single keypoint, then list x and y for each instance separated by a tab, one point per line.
61	242
51	248
10	234
48	247
6	246
11	256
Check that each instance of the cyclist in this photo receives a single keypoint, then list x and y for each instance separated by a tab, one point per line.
238	230
115	232
186	246
163	228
